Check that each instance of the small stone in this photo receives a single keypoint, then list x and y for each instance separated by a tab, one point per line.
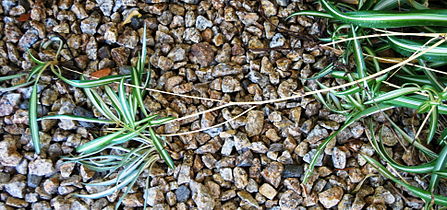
272	173
240	177
14	202
165	63
230	85
8	153
292	171
338	158
120	55
8	102
182	194
50	185
248	18
258	147
155	196
269	8
16	186
255	123
202	54
331	197
133	200
89	25
277	41
184	175
290	200
317	134
227	147
202	196
41	167
248	199
202	23
268	191
310	155
388	137
226	174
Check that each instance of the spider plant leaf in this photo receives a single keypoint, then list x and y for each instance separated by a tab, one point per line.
92	83
358	55
433	126
146	119
407	48
413	102
111	190
33	125
424	107
381	151
137	93
439	165
426	196
75	118
34	59
442	174
98	143
388	19
393	94
412	141
124	138
35	70
161	120
419	79
310	13
161	150
326	70
124	103
349	91
15	87
387	4
100	105
4	78
356	116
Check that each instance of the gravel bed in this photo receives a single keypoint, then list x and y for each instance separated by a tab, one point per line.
220	49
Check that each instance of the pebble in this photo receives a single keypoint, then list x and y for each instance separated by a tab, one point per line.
182	194
201	196
41	167
155	196
8	153
202	23
240	178
272	173
331	197
202	54
290	200
268	191
255	122
248	199
16	186
338	158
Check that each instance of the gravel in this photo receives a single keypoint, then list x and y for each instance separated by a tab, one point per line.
202	49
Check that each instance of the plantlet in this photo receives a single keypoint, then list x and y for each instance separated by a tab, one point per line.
368	90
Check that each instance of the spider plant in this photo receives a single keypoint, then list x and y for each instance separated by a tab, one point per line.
413	85
33	77
131	145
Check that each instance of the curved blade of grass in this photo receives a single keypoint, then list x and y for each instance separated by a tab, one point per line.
383	154
91	83
34	59
433	126
76	118
100	105
327	70
427	196
388	19
4	78
413	103
310	13
125	107
358	56
161	150
35	70
98	143
111	190
354	118
161	120
136	80
439	165
407	48
412	141
15	87
32	114
393	94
